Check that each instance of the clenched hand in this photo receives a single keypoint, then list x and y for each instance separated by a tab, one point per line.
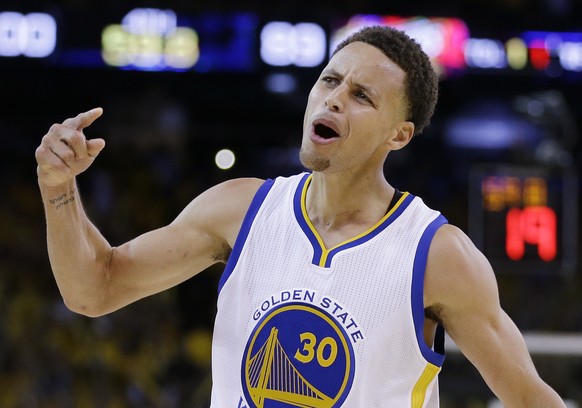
65	151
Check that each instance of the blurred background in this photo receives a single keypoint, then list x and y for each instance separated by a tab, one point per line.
181	81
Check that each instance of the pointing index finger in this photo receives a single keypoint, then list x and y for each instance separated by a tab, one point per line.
82	120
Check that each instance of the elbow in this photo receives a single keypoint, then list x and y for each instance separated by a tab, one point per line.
87	295
88	309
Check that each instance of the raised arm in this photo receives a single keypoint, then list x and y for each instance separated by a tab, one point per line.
95	278
461	290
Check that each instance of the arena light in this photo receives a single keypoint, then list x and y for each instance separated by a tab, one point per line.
33	35
225	159
280	83
516	53
570	54
443	39
485	53
544	46
539	55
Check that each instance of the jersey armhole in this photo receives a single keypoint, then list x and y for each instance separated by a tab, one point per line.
241	238
433	355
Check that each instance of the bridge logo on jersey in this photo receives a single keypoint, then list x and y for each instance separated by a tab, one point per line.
298	355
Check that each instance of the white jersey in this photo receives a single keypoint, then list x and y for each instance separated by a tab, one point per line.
302	325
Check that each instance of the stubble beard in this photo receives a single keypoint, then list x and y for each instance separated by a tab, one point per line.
313	162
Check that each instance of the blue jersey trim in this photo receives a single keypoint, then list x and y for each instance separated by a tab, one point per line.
298	210
258	199
419	269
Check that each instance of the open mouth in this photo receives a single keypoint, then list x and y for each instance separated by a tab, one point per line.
324	131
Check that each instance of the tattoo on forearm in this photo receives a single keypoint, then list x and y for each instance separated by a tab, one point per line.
63	200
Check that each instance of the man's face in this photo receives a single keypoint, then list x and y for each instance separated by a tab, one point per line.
354	110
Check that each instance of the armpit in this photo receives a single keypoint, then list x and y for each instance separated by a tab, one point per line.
434	313
223	253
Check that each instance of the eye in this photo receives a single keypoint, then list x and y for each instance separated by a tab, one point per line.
362	96
331	81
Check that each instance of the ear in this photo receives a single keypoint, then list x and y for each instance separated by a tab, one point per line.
402	135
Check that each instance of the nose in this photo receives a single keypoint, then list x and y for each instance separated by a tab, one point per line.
334	100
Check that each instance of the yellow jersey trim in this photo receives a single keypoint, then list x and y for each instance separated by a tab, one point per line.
325	252
421	386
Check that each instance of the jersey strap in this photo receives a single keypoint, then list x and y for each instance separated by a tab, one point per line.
258	199
419	269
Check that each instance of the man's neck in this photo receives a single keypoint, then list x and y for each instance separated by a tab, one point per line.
341	206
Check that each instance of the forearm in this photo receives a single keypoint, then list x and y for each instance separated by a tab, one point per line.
511	375
538	395
78	253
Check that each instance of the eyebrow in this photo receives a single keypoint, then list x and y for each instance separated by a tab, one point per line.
332	72
366	89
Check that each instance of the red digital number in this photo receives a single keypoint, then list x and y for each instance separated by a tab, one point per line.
531	225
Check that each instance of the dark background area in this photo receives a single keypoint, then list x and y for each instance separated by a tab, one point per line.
162	130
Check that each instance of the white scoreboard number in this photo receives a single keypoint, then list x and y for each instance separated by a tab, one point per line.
302	44
31	35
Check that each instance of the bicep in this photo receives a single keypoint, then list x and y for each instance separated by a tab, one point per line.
162	258
153	262
199	237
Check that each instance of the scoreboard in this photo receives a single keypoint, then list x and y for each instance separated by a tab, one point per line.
152	39
524	219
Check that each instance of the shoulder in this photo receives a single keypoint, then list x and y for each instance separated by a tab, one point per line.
452	245
458	278
232	194
221	209
239	187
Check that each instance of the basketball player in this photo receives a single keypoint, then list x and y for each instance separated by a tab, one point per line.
335	283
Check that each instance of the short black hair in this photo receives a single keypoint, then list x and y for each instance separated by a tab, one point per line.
421	87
